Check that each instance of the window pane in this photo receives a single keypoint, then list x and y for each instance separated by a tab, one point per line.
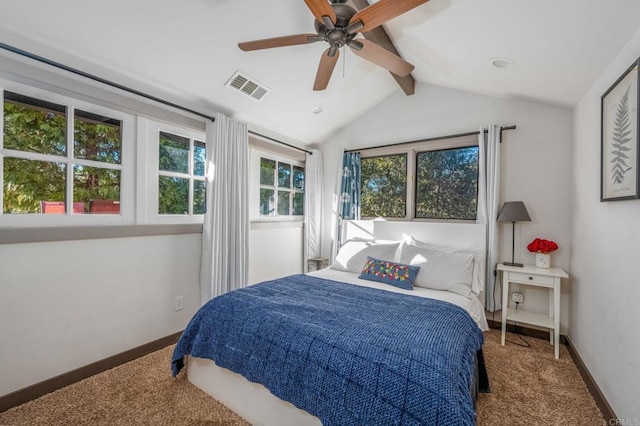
173	195
98	190
384	186
284	175
33	125
447	184
283	203
174	153
298	203
199	158
267	201
97	138
33	186
298	178
267	172
199	197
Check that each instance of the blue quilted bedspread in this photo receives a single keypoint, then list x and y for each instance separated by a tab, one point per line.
349	355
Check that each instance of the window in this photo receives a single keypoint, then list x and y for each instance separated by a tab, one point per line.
281	188
181	175
424	180
67	161
59	159
447	183
384	186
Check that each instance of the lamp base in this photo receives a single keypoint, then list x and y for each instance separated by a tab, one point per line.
518	265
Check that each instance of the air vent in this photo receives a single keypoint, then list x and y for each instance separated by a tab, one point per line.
247	85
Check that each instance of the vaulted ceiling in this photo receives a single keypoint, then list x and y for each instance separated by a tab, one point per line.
186	51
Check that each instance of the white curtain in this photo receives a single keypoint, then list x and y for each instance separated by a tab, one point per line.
225	234
488	196
313	206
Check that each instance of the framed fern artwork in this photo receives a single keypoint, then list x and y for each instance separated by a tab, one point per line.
619	155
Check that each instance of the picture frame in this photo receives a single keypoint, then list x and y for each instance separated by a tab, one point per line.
620	143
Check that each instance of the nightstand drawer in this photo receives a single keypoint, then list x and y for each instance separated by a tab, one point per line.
527	278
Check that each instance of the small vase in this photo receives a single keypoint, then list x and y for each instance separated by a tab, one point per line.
543	260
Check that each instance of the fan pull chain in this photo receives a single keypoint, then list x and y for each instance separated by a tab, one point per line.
344	63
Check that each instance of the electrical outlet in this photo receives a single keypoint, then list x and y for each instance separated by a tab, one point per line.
517	297
179	303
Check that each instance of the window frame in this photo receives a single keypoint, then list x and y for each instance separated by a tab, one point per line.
149	160
126	166
415	194
412	150
406	186
255	186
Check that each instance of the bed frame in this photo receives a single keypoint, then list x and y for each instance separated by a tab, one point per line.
253	401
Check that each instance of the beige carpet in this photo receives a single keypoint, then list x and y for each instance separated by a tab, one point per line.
529	387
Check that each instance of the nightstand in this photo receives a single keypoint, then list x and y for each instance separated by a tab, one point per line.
317	263
538	277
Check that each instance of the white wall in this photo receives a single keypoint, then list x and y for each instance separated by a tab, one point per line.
67	304
536	162
606	251
275	251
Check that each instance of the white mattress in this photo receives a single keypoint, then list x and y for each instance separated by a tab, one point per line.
471	304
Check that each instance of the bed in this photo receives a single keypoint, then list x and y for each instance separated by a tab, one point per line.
332	348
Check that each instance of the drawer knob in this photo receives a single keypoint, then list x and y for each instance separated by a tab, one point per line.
530	278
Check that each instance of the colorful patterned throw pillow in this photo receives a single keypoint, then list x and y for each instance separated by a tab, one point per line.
387	272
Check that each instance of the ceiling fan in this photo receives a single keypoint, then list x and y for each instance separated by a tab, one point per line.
338	24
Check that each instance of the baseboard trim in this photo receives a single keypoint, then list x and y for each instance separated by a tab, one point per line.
593	387
47	386
526	331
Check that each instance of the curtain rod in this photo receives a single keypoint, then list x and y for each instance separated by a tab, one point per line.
459	135
99	79
280	142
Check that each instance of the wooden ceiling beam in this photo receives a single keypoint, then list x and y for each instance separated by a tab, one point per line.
379	36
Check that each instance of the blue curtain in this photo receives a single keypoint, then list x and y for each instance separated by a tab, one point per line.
350	187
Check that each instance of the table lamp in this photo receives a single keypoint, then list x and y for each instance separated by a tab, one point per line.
513	211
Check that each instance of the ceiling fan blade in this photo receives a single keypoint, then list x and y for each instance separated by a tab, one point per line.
268	43
325	69
383	11
321	8
383	58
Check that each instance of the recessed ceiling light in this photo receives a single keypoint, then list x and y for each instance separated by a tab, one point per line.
317	109
502	63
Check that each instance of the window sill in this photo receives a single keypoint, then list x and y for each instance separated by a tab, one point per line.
255	225
275	219
73	233
419	219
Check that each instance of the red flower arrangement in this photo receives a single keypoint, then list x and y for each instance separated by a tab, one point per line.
542	246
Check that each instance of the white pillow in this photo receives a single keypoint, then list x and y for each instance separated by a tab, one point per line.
353	254
477	281
439	269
